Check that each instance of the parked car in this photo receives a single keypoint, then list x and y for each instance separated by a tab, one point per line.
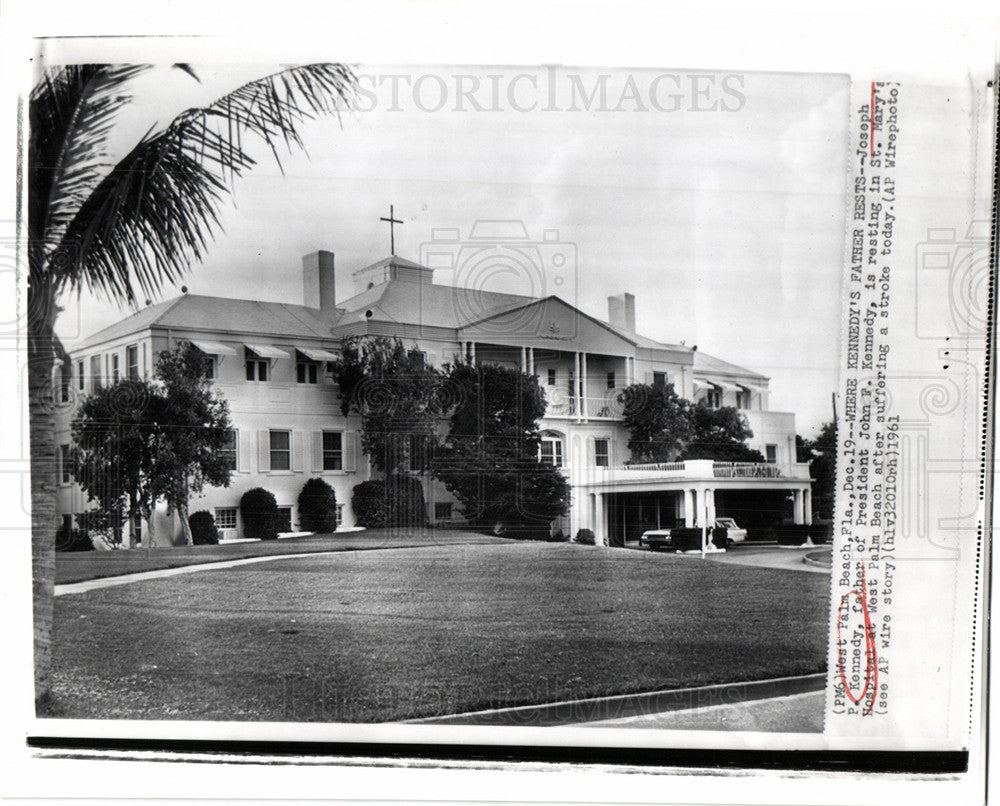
655	539
734	534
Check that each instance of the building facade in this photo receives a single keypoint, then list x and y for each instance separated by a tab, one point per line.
271	363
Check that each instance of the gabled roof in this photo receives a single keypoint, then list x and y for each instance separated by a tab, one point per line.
710	365
197	312
392	260
426	304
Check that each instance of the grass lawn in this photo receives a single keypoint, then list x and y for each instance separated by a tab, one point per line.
80	565
410	632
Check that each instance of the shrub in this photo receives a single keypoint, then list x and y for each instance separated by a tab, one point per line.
792	534
203	531
720	535
686	538
73	540
317	507
585	537
395	501
259	509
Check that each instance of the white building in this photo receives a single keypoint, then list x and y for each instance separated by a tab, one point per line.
269	360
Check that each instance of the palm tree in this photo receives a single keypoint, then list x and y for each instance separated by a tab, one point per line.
129	228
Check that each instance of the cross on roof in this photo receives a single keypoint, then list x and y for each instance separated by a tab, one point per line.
392	221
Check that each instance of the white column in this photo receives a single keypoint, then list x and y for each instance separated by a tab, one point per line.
601	520
628	370
524	360
698	497
808	505
576	384
583	385
710	504
472	352
689	507
531	360
798	516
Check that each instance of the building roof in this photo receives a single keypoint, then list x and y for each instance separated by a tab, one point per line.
392	260
197	312
710	365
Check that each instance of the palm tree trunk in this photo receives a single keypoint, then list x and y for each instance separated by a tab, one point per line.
44	519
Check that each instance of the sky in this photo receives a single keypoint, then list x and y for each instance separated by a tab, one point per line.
717	198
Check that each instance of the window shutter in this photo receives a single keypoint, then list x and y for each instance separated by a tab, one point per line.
350	447
244	450
264	451
317	451
298	452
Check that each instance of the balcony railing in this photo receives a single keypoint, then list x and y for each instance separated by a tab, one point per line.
564	405
661	467
745	470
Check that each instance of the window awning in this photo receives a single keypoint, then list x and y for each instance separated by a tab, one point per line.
315	354
752	388
726	385
213	347
266	351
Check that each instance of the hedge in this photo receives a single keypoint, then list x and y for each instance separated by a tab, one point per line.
317	507
585	537
73	540
394	501
203	531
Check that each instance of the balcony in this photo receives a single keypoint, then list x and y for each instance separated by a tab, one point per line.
562	405
691	470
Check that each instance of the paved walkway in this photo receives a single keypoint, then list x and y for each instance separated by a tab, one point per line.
786	557
797	713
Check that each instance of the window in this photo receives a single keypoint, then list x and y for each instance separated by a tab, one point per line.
442	511
229	451
552	377
64	475
333	450
281	450
602	452
256	369
340	515
208	367
550	451
284	520
132	362
115	371
771	451
95	372
659	379
306	372
611	380
225	517
79	375
713	398
742	399
417	357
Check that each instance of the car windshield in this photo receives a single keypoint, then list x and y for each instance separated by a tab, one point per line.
725	522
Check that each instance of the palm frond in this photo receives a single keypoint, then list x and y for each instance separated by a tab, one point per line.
71	111
156	211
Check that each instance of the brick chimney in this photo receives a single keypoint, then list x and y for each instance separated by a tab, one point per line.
621	312
318	281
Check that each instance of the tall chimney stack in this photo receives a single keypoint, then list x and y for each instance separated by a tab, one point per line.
621	312
318	281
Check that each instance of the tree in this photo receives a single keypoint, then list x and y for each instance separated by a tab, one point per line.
821	453
658	421
490	457
195	432
113	451
720	434
136	442
397	395
138	223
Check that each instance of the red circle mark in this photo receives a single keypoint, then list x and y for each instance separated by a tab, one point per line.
871	654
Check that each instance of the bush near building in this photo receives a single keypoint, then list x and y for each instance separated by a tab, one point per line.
317	507
585	537
73	540
259	509
203	530
395	501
